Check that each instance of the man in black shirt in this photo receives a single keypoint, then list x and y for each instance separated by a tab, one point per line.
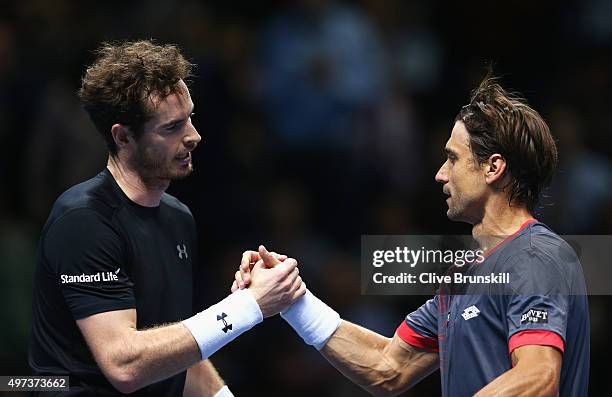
112	296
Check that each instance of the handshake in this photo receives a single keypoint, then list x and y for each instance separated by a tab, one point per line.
273	280
265	284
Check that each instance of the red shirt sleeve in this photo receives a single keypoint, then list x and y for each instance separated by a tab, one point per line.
413	338
535	337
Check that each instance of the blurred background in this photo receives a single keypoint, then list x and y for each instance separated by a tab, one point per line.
321	121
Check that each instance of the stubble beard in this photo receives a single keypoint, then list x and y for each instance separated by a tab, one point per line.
456	208
157	171
462	209
452	213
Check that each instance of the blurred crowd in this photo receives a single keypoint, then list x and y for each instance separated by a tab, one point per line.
322	121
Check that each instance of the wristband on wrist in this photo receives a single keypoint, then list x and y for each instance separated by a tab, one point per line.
224	392
221	323
312	319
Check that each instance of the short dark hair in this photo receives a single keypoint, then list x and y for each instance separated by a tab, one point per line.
501	122
117	87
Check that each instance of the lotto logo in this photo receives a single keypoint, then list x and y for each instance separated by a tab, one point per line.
470	312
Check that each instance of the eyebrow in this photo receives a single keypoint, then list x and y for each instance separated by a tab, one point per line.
178	120
450	152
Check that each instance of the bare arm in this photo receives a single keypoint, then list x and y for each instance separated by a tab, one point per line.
536	372
202	380
131	359
383	366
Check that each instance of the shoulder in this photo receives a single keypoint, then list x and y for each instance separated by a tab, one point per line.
85	212
96	195
174	204
540	261
540	244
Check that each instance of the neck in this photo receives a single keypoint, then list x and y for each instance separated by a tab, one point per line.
499	221
133	185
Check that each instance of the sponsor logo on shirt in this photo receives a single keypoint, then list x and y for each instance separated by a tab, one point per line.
182	250
534	316
90	278
470	312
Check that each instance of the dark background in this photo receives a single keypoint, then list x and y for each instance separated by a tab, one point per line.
321	121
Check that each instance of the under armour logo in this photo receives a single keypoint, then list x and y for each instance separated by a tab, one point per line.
470	312
226	326
182	251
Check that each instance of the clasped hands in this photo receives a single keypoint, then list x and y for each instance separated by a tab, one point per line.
273	280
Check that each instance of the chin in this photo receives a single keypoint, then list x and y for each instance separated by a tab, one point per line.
455	216
174	170
463	216
182	174
177	176
452	216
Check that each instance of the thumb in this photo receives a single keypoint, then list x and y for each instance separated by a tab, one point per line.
268	259
259	265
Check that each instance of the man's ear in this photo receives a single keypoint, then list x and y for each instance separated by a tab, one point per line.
121	135
495	169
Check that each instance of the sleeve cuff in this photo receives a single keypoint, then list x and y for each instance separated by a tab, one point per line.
536	337
413	338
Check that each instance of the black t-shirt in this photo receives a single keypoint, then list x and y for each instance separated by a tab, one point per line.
100	252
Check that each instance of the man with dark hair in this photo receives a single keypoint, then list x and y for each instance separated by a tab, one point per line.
527	338
113	276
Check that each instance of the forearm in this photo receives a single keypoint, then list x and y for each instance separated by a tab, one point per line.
381	365
202	380
132	358
358	354
536	381
141	358
372	361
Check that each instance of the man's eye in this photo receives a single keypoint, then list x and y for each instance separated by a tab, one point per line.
174	126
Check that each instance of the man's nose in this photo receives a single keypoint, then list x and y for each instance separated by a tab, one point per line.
193	137
442	175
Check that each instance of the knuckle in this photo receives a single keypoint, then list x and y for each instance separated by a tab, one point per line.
279	279
290	278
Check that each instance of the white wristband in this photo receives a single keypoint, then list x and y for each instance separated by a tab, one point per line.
312	319
221	323
224	392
